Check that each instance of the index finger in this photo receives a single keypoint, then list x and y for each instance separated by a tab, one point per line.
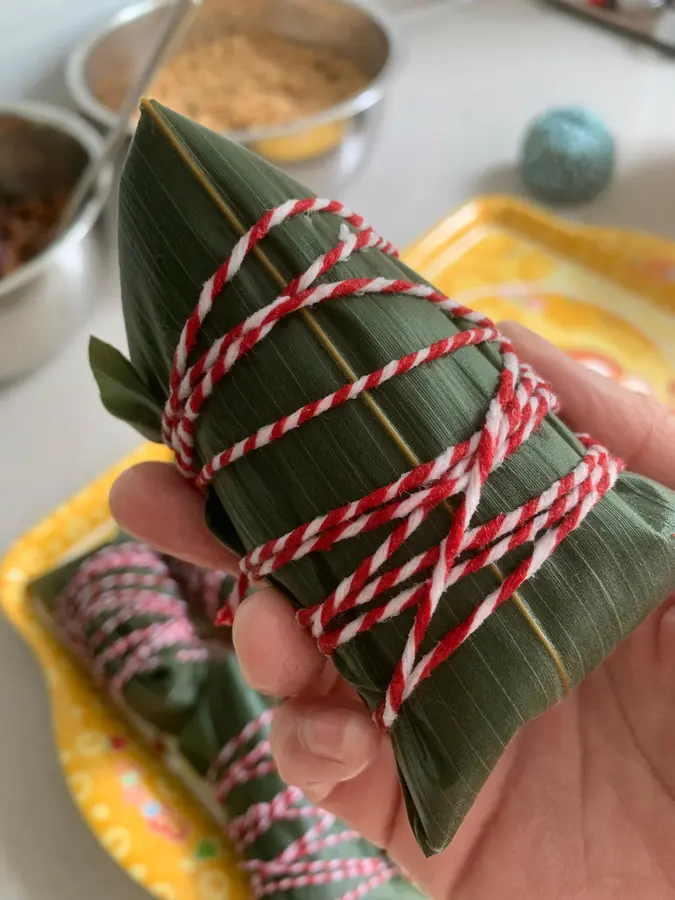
637	428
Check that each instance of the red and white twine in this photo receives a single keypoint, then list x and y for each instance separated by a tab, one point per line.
248	758
519	406
102	599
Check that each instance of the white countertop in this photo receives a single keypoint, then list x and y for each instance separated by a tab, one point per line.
474	74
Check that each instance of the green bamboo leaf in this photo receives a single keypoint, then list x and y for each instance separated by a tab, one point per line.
123	392
187	195
221	525
125	395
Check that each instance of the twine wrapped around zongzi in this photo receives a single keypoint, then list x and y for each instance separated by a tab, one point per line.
377	451
205	590
123	615
519	406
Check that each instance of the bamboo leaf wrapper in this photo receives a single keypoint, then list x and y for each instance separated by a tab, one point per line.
187	196
120	598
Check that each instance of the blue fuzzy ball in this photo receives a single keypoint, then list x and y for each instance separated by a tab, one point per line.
567	156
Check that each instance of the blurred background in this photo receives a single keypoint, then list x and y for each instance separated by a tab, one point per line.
468	76
412	109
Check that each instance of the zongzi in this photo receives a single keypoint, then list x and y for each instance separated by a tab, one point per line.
378	452
124	617
122	614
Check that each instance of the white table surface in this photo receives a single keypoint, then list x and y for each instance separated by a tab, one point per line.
474	74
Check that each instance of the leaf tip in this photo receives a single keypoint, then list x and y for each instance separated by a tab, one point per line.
123	392
96	345
148	106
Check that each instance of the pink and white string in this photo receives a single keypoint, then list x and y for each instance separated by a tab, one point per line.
518	408
204	589
302	864
103	598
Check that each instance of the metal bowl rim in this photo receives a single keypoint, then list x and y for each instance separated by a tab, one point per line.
72	124
89	105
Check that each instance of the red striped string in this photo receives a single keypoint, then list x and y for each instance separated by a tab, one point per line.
102	599
521	402
248	758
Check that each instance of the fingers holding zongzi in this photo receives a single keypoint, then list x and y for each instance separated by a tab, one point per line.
635	427
276	655
153	502
320	745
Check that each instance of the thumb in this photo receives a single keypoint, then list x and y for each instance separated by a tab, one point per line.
319	745
637	428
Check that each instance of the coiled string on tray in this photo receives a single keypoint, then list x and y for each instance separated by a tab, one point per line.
521	402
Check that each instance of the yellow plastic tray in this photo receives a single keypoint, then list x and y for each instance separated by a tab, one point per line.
606	296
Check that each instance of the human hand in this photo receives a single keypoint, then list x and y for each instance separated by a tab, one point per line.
582	804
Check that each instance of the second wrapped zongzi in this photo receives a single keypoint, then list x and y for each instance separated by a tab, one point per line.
120	611
122	614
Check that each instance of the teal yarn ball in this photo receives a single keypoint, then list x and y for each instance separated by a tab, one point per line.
567	156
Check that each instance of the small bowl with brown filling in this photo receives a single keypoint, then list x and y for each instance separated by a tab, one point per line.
47	274
298	81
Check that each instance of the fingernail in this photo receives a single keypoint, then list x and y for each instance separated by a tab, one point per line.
338	736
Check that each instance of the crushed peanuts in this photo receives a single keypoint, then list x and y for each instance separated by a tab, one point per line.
246	81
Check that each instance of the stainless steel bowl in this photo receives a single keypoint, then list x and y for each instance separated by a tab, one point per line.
46	148
323	149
